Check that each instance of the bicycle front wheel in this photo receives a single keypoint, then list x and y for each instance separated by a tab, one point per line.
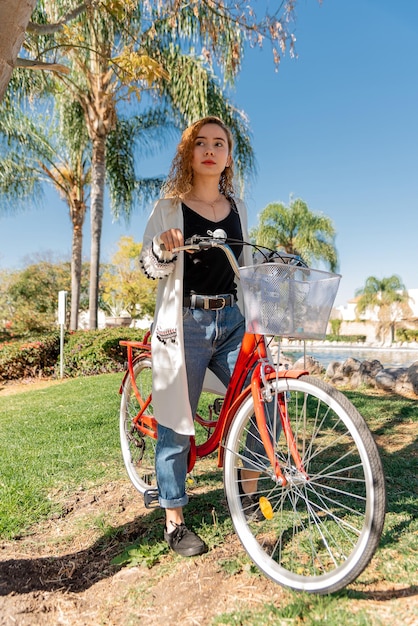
319	530
136	435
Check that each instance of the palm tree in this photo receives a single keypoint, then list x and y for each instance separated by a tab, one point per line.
297	230
107	54
111	69
54	148
389	296
51	148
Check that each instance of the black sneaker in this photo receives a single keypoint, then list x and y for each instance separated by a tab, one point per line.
184	541
249	504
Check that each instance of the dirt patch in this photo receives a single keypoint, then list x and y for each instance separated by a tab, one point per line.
10	387
404	436
62	574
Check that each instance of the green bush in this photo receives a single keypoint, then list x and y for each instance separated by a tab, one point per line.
86	352
347	338
89	352
406	334
35	356
335	326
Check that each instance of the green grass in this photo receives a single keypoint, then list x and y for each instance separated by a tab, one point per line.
64	438
394	420
53	442
303	609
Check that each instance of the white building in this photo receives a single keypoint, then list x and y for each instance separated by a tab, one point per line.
348	311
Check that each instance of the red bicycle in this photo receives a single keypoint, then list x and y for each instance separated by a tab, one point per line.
320	487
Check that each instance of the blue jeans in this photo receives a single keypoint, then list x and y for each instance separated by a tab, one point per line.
212	339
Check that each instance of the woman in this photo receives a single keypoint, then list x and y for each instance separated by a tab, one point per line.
197	325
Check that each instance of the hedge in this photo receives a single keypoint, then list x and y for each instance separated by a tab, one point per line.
85	353
346	338
28	358
97	351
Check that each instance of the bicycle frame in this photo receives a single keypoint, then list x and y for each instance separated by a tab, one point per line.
144	423
252	358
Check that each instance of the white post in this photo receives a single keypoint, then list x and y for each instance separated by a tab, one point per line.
62	306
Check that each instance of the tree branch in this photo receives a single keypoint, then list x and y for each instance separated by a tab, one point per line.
50	29
40	65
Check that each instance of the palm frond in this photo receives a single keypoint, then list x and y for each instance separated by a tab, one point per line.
139	135
18	182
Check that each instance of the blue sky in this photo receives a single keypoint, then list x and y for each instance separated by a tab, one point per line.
337	127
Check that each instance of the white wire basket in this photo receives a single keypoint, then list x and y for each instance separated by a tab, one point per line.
287	300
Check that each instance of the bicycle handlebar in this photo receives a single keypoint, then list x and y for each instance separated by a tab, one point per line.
196	242
218	238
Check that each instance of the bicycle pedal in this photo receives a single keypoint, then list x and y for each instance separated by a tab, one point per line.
151	498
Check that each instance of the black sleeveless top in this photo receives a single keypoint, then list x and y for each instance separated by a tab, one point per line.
208	272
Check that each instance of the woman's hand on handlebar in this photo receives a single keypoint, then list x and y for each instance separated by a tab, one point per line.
172	238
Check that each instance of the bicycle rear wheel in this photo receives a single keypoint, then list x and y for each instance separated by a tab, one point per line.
137	443
318	532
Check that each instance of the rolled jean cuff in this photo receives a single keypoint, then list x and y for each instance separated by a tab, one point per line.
173	504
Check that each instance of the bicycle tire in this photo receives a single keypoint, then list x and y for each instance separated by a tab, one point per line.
138	449
324	529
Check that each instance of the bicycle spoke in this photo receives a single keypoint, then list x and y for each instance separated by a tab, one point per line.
137	441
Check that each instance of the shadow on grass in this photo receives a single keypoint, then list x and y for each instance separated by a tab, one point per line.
380	595
78	571
400	466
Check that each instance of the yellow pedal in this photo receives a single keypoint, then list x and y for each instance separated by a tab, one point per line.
265	508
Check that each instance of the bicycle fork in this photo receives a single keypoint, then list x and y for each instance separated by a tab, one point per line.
262	394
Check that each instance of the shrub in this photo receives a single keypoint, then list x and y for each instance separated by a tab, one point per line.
406	334
347	338
86	352
30	357
336	326
90	352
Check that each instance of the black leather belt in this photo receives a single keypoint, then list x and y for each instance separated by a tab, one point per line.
208	302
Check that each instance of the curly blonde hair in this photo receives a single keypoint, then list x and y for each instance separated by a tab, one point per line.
180	177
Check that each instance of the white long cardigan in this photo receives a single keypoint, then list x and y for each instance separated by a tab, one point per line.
169	379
